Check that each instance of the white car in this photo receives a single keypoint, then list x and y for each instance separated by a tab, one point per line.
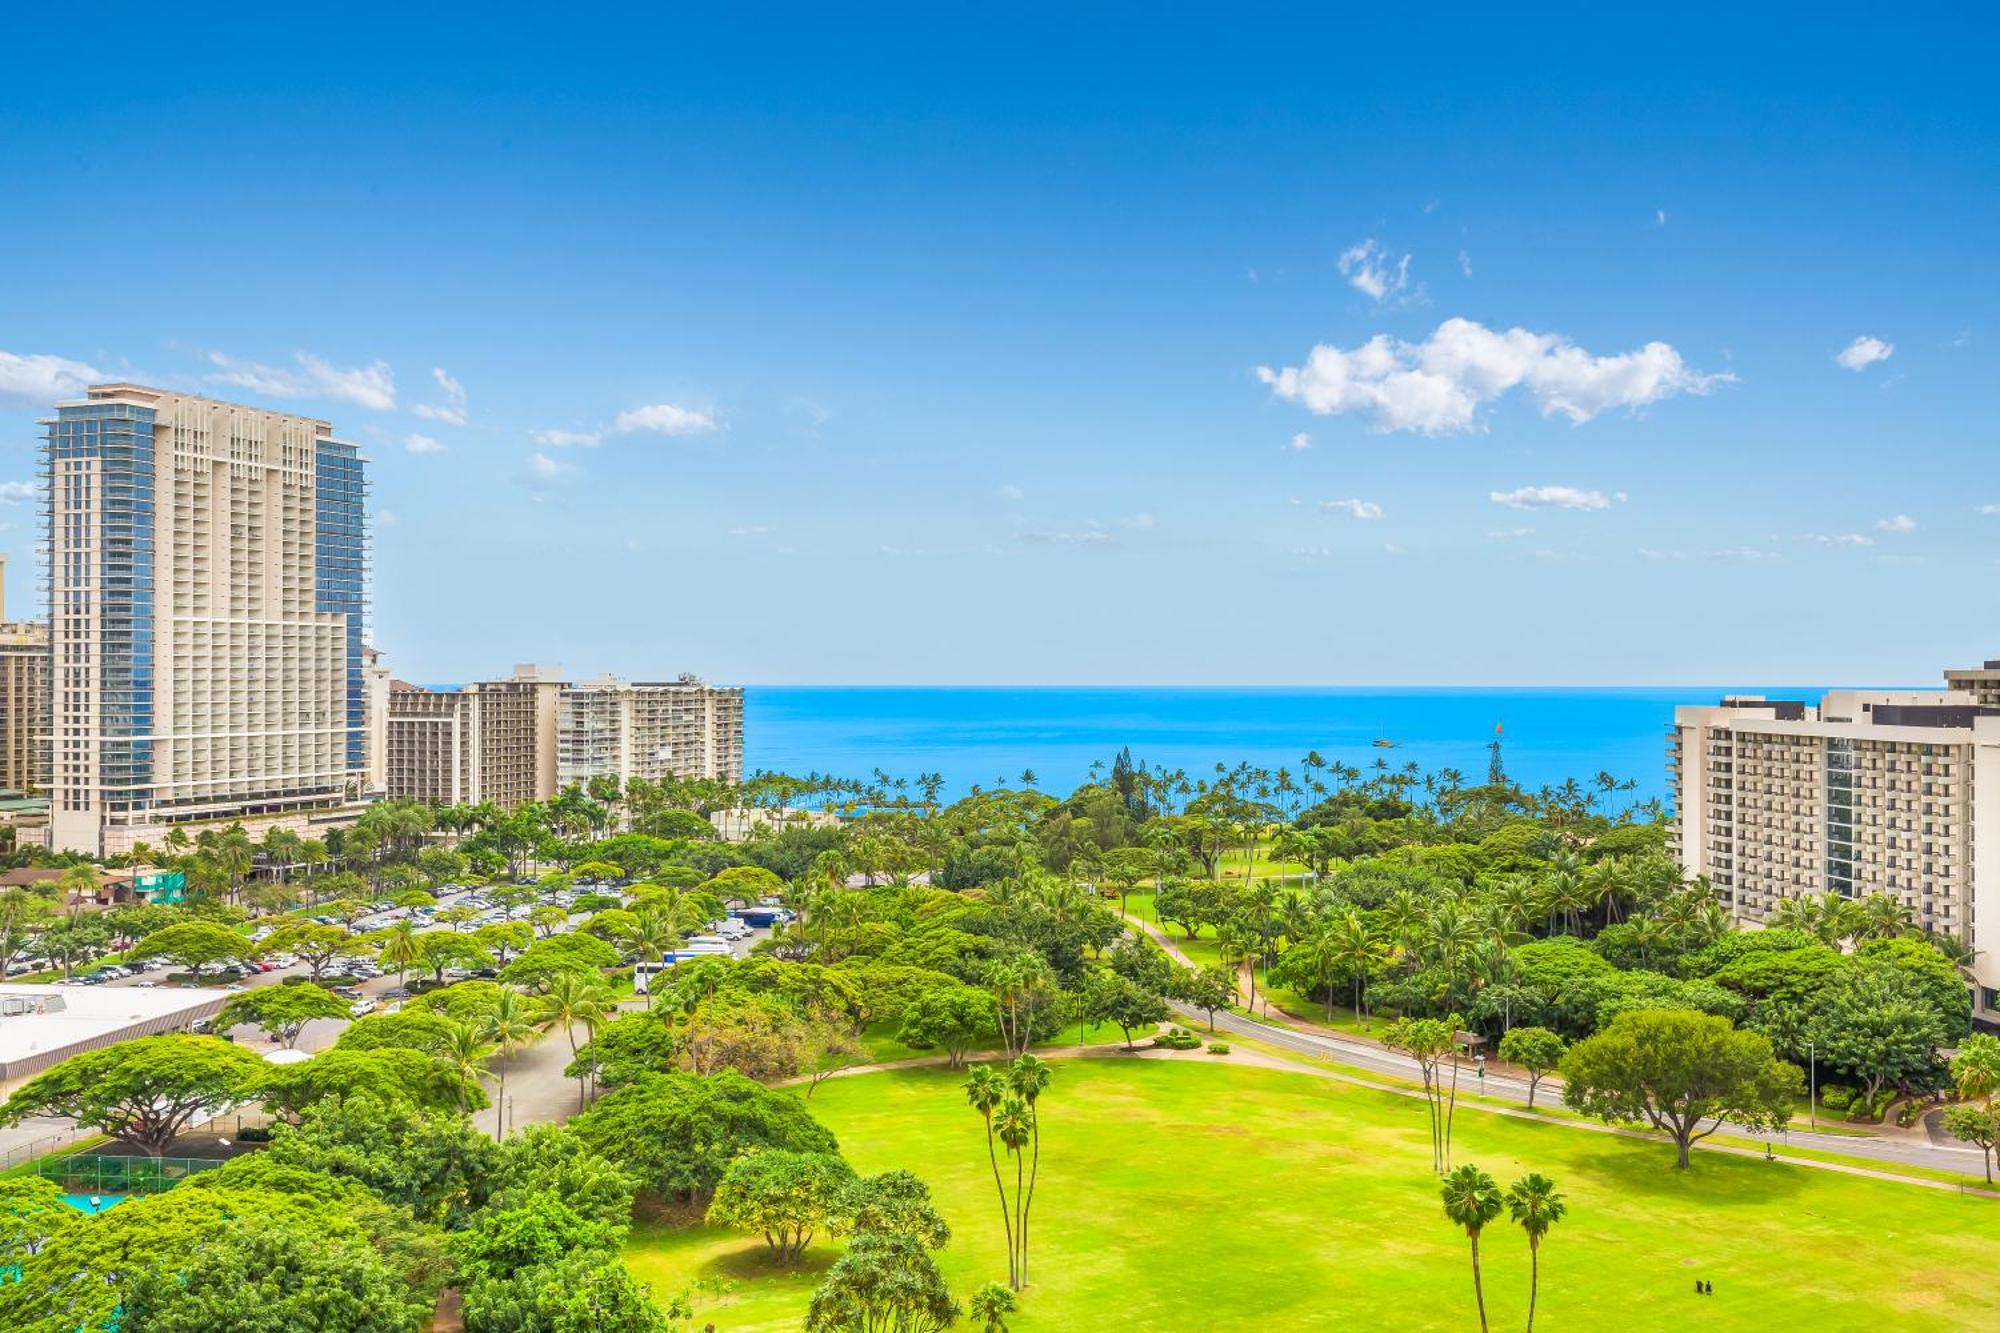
361	1006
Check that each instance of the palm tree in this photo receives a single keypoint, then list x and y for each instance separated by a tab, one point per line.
1883	918
1533	1202
509	1023
991	1305
573	999
1360	949
985	1090
466	1050
1471	1200
1028	1076
399	947
1014	1126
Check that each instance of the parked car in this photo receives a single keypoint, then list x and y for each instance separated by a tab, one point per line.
364	1005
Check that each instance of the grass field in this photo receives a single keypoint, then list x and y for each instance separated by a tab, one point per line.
1202	1194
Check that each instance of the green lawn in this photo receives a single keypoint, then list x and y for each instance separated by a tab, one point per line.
1202	1194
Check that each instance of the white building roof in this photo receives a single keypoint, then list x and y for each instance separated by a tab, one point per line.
42	1026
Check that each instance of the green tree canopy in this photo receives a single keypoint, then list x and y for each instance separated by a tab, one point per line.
281	1011
676	1134
144	1092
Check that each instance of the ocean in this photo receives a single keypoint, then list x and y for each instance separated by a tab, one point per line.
988	735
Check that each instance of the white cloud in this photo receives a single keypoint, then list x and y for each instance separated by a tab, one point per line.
1140	522
1437	386
1011	492
751	530
1093	534
1299	443
1989	509
1390	548
452	413
567	439
1837	539
422	444
1364	509
14	492
666	419
38	381
371	386
1659	217
1864	352
542	466
1551	497
1374	272
1465	263
1511	534
1898	523
387	518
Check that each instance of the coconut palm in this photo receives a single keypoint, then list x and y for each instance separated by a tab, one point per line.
991	1305
1014	1126
1533	1203
1884	918
399	947
509	1023
985	1090
1471	1200
572	1000
1028	1076
466	1050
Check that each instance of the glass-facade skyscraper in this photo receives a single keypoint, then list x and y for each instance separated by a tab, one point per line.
206	566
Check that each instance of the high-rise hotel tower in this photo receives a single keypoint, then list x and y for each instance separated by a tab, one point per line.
1894	792
206	585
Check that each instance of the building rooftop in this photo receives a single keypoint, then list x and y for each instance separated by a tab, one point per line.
41	1026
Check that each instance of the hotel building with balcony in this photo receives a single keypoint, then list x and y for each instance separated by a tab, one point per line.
1868	791
206	593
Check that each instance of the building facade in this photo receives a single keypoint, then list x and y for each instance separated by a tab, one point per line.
649	729
1891	792
24	700
206	592
528	737
493	741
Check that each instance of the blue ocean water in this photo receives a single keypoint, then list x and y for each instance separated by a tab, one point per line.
989	734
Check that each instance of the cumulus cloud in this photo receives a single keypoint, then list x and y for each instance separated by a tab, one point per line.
1140	522
1364	509
1551	497
1374	272
567	439
750	530
1299	443
453	410
1989	509
1837	539
1436	387
1898	523
1012	492
1465	263
1864	352
37	381
422	444
1511	534
666	419
372	386
14	492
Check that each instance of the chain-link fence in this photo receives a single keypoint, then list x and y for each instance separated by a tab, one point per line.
98	1174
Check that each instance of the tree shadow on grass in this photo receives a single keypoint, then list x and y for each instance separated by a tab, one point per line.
754	1262
1711	1179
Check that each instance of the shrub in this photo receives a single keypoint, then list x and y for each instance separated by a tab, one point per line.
1835	1096
253	1134
1178	1039
1218	1048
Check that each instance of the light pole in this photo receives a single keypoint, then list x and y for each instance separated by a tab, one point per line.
1812	1086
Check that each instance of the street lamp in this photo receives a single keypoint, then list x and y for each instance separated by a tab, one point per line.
1812	1086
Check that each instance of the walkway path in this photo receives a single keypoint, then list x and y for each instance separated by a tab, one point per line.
1309	1039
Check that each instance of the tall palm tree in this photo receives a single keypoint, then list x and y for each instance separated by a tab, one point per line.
1014	1126
1028	1076
399	947
1471	1200
985	1090
1532	1201
573	1000
509	1023
466	1050
1360	950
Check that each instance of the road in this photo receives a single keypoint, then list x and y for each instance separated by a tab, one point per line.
1374	1059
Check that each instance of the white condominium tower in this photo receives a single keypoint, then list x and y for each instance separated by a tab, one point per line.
1893	792
649	729
205	589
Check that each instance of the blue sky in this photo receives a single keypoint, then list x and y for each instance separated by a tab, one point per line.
927	349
